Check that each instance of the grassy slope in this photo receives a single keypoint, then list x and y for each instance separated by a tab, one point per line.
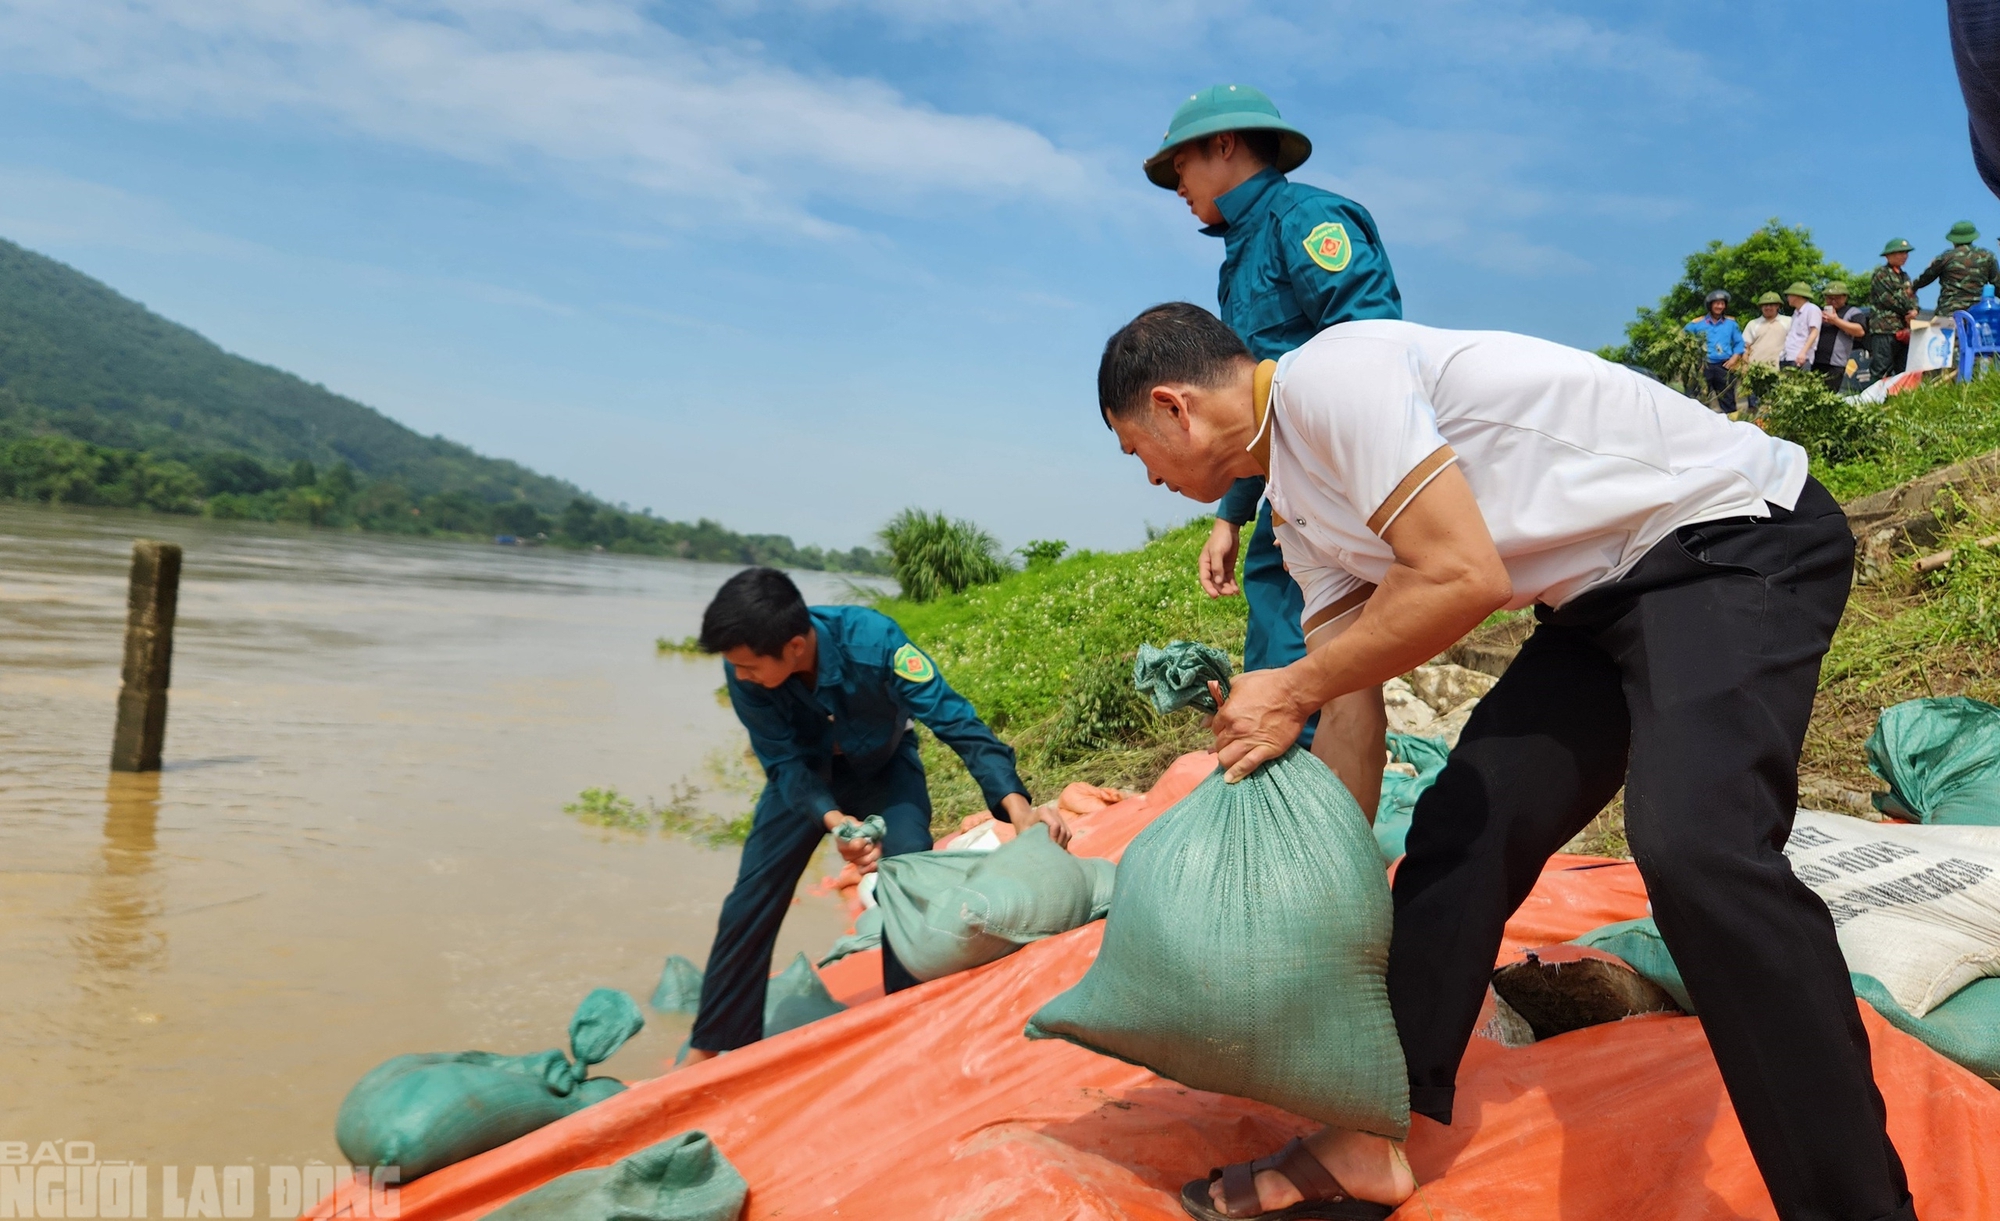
78	359
1906	636
1030	651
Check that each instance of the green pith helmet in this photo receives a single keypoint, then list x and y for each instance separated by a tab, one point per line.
1799	288
1221	108
1770	299
1962	234
1834	288
1896	246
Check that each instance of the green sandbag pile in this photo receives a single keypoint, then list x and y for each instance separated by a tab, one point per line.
1965	1028
679	989
1941	758
867	935
945	912
424	1112
795	997
685	1178
1400	792
1247	947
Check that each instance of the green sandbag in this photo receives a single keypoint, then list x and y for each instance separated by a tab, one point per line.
679	989
1941	758
1247	952
945	912
1399	792
423	1112
867	935
685	1178
796	996
1965	1029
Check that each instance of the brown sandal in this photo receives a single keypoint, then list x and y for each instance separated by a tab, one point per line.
1325	1199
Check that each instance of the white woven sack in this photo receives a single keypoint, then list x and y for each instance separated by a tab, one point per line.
1917	907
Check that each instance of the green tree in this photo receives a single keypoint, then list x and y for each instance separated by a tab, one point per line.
932	555
1769	260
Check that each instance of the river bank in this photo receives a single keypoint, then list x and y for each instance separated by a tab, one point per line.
357	847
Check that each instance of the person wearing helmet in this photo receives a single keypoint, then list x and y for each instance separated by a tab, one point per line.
1892	305
1296	259
1722	347
1802	339
1960	272
1764	338
1840	325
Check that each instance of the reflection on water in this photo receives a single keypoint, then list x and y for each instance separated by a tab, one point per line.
356	848
121	929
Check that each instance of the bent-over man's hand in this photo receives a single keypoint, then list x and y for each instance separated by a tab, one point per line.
861	852
1217	566
1053	819
1260	722
1015	807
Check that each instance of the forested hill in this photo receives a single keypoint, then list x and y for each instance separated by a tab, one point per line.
103	402
78	359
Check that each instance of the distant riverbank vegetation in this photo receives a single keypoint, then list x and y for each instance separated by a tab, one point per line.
234	486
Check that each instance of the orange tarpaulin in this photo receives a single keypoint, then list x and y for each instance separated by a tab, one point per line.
930	1103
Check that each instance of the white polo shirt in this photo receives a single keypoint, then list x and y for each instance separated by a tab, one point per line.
1579	466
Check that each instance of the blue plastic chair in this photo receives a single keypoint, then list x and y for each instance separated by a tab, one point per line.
1972	343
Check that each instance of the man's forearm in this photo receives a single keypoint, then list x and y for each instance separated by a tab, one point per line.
1410	619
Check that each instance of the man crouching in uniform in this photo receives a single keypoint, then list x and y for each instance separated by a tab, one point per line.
827	694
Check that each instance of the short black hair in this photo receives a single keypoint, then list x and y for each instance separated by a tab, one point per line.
1172	344
759	607
1262	143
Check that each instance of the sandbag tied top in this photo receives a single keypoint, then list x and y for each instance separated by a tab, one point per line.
870	828
679	989
1247	952
600	1026
796	996
1941	758
423	1112
684	1178
1178	675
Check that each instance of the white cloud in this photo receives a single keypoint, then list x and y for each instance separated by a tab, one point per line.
584	86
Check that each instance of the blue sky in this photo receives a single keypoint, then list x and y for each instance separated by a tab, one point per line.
795	264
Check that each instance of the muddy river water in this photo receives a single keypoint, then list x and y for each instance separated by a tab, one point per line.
357	847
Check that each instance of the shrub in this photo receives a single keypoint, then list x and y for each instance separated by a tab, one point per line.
1041	551
1101	710
1799	408
932	555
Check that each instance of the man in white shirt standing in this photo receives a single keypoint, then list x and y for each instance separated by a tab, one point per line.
1803	337
1687	576
1764	338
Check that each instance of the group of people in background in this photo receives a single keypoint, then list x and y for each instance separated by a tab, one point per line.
1824	329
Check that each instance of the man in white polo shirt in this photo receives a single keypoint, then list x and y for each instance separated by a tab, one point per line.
1687	576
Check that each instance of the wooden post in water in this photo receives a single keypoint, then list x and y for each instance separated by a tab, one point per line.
149	656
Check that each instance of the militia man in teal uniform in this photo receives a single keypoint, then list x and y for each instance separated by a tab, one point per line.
1892	303
1960	272
1296	259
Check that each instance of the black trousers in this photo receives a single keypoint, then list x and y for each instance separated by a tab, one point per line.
1690	681
1834	375
781	843
1886	355
1722	384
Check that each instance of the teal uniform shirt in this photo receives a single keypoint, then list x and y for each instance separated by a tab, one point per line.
1296	259
872	681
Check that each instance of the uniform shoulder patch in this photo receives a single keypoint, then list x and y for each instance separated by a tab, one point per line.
912	666
1328	245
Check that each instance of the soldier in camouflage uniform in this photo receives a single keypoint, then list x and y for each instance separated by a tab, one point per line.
1961	271
1891	302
